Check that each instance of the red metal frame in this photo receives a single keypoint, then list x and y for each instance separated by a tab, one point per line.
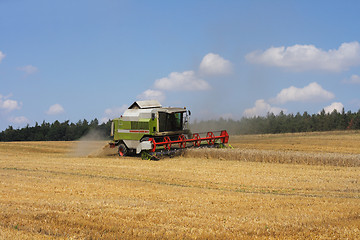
182	143
196	140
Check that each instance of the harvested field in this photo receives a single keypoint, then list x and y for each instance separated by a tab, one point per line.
49	190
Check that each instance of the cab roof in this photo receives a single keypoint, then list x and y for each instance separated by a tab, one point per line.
172	110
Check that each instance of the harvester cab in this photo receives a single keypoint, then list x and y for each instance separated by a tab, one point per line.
148	128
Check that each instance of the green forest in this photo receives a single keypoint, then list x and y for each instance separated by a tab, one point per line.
284	123
281	123
56	131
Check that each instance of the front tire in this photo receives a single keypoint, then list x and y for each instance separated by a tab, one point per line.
122	151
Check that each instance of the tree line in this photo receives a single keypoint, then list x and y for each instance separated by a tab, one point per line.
56	131
271	123
283	123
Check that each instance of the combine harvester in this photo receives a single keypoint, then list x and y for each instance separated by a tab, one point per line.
148	129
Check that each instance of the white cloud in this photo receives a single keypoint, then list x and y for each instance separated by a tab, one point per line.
152	94
214	64
8	104
308	57
211	65
187	81
311	92
2	56
114	112
261	108
354	79
338	106
55	109
28	69
19	120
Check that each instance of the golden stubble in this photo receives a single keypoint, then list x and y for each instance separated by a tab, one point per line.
47	193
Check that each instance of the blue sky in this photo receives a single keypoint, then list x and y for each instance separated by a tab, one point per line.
72	60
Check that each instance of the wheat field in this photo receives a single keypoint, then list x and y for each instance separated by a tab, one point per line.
53	190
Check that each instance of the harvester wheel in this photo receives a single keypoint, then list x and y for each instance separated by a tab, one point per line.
123	151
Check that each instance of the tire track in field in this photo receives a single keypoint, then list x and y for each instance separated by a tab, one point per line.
243	189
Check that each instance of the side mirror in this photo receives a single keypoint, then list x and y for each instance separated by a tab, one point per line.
189	112
153	116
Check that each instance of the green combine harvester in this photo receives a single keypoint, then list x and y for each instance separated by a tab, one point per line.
148	129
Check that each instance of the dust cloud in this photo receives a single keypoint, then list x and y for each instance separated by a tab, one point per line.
93	144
